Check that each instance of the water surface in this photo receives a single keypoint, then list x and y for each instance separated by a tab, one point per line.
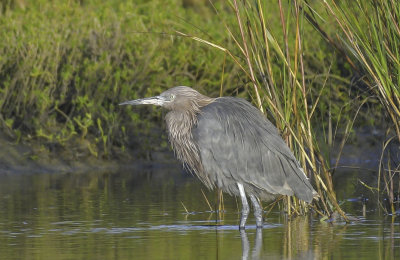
140	214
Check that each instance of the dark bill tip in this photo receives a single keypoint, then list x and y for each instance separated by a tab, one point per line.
130	102
157	100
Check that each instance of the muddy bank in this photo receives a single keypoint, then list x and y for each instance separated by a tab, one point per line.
37	157
362	152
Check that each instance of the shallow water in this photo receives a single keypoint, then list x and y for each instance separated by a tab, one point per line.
139	214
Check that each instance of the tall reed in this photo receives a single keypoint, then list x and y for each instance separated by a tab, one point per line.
370	36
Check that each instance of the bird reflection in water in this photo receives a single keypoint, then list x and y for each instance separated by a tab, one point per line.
256	252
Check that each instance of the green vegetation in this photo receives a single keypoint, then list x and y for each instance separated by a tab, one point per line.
64	67
316	68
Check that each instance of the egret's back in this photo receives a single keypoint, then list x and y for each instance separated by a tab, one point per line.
237	143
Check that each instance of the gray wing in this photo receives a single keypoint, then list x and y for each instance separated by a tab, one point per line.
238	144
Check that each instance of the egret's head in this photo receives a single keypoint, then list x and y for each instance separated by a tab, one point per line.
178	98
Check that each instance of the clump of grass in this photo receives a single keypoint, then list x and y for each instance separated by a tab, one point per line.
371	32
369	35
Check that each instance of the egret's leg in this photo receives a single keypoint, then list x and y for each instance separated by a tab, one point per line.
257	211
245	206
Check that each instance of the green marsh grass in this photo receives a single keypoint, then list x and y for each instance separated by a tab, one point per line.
369	33
65	65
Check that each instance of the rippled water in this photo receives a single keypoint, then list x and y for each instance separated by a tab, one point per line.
139	214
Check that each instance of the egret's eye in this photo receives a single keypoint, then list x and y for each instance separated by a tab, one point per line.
171	97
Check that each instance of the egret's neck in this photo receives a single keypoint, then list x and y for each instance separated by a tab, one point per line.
180	125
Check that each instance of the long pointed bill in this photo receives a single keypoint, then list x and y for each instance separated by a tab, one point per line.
157	100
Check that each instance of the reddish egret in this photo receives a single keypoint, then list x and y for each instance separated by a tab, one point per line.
230	144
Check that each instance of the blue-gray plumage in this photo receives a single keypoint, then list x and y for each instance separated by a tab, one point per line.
229	144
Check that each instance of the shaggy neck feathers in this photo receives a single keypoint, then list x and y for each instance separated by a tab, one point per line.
179	125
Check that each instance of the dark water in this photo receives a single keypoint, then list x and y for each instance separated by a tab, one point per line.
139	214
